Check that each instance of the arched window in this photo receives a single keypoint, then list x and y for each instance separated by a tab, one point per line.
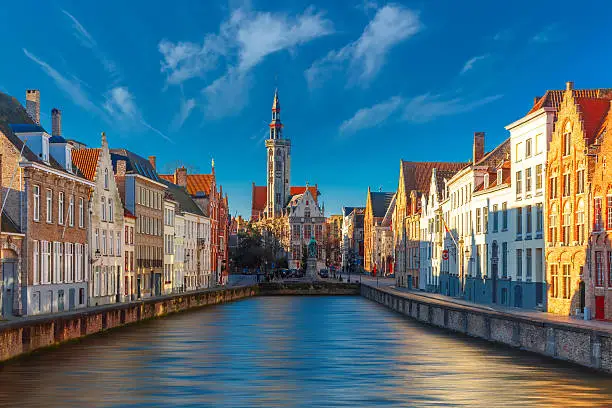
567	139
580	222
106	178
307	212
567	222
552	224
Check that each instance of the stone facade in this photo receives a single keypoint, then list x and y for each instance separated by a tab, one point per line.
170	210
305	220
129	257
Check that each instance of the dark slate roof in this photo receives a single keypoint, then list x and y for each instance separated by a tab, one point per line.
359	218
57	139
8	225
135	164
14	119
182	197
380	202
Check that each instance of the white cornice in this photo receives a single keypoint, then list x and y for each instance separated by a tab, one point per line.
57	173
529	117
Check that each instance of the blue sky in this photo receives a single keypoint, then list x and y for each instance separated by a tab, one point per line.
362	84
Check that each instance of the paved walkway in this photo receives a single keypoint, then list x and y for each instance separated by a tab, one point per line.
529	314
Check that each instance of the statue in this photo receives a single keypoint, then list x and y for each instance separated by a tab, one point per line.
312	248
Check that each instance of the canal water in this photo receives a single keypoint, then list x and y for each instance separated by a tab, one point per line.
293	352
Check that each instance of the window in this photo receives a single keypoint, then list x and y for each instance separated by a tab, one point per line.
597	215
528	180
485	219
599	268
539	219
97	240
528	264
71	211
519	222
103	208
110	210
36	263
609	267
45	264
57	261
519	182
580	181
567	281
567	226
554	281
36	206
495	218
103	242
111	243
580	222
504	216
60	208
519	264
478	221
539	143
609	210
106	179
307	212
504	259
49	206
68	264
78	263
566	185
538	176
528	220
553	187
552	224
567	139
528	151
519	152
127	236
81	212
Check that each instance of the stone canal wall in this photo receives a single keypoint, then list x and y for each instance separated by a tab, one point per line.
316	288
32	333
581	345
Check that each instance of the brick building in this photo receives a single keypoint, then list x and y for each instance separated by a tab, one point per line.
129	256
575	201
46	202
377	204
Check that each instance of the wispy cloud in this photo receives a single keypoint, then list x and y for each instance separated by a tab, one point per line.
364	57
71	87
373	116
121	106
548	34
367	5
470	63
243	41
184	112
504	35
87	40
426	107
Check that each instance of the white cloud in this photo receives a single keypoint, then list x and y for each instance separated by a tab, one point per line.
470	63
371	117
426	107
71	87
227	95
121	106
184	112
548	34
391	25
87	40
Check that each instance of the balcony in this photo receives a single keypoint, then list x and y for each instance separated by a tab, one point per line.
149	263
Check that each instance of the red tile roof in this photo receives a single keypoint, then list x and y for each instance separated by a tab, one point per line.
86	160
259	197
195	182
594	111
301	189
553	98
417	175
127	213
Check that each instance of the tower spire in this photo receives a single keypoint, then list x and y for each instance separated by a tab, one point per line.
276	126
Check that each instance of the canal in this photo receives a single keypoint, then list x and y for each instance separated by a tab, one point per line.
293	351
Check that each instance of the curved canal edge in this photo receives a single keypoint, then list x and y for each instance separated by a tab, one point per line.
25	335
580	345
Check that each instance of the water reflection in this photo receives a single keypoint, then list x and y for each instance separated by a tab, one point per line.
290	351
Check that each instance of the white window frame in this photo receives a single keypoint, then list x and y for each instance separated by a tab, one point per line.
81	212
49	201
36	206
60	208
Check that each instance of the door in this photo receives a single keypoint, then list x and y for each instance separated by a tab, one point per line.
518	296
138	287
71	299
600	311
8	274
582	291
494	272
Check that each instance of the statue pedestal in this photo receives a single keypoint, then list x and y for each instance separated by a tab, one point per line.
311	268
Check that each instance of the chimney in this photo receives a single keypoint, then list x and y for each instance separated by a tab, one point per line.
479	140
121	166
56	122
536	99
180	176
33	104
569	85
152	160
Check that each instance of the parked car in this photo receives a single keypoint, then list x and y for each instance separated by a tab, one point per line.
324	273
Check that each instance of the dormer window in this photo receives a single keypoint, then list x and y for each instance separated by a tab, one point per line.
499	176
106	179
486	181
45	149
69	159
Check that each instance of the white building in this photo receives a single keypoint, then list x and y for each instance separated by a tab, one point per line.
306	221
178	278
170	209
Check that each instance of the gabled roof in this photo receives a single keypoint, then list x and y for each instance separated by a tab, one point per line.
417	175
388	218
594	113
135	164
380	202
182	197
86	160
259	199
196	183
553	98
496	156
293	190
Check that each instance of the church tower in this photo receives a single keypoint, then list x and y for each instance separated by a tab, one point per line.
279	163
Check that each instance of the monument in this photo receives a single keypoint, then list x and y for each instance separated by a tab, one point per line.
311	262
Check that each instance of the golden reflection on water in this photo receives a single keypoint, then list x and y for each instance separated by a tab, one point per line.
291	351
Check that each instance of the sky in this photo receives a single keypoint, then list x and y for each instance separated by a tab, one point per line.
362	84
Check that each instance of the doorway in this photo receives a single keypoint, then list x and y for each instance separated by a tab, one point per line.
581	300
8	289
600	308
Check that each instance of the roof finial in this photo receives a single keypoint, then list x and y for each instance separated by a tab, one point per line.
103	138
380	189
